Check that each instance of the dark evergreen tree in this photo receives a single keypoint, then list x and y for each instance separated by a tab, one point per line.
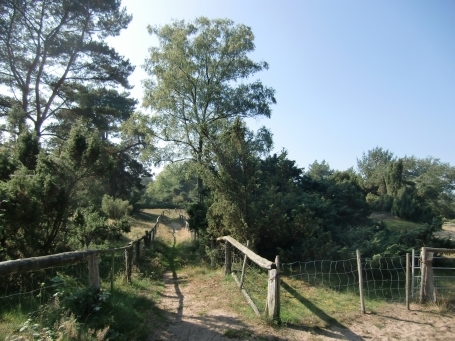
51	51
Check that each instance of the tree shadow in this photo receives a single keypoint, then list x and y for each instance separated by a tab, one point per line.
331	321
149	217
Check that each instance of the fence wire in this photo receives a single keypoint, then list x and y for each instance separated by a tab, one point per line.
255	280
337	275
383	278
443	276
32	289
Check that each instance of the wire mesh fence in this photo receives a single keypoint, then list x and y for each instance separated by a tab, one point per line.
383	277
32	289
254	280
336	275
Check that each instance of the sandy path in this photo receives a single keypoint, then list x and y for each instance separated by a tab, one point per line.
187	317
448	231
190	315
193	315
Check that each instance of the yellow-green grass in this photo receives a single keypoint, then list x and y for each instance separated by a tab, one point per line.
394	222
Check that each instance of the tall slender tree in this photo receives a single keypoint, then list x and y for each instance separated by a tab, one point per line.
197	83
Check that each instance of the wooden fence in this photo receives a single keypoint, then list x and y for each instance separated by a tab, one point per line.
273	268
428	290
363	272
131	252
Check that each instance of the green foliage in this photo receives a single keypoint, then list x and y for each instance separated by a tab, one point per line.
100	108
380	203
115	208
413	189
27	149
231	177
198	84
176	184
319	171
372	167
48	61
89	226
39	204
77	298
8	164
393	177
408	205
198	217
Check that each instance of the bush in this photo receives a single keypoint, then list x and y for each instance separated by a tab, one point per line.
120	226
115	208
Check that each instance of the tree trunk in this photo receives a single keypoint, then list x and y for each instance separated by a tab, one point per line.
200	183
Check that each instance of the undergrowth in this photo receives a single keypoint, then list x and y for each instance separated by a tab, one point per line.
73	311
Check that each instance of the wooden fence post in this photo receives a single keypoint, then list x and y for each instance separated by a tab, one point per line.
112	271
413	258
273	292
359	269
146	240
407	279
93	271
245	259
128	262
427	290
212	247
138	247
430	291
227	259
423	273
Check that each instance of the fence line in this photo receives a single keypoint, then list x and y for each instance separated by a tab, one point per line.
394	278
37	278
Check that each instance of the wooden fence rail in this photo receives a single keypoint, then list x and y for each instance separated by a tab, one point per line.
131	251
273	268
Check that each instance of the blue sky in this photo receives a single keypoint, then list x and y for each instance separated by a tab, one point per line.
349	75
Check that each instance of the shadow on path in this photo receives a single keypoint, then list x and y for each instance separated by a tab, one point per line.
190	322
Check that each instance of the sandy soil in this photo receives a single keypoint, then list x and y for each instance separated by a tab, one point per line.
193	315
448	231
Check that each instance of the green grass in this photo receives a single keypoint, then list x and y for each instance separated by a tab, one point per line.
124	314
128	313
393	222
319	307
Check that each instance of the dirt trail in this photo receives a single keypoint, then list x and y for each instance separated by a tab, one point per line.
448	231
194	316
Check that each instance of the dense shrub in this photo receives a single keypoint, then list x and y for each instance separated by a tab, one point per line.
115	208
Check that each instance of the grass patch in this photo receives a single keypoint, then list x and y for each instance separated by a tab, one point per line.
318	307
127	313
395	223
75	312
236	333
